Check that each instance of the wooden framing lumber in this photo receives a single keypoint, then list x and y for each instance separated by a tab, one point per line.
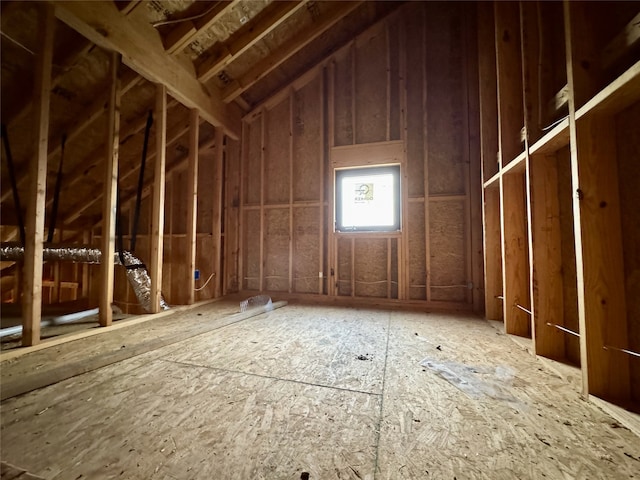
75	129
188	31
284	52
621	43
142	50
109	197
129	129
492	255
34	222
515	268
266	21
217	211
192	203
157	215
474	190
546	253
599	257
509	68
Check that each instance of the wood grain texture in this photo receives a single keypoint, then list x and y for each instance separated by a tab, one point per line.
272	396
547	281
515	257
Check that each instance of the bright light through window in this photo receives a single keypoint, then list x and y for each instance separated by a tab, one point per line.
368	199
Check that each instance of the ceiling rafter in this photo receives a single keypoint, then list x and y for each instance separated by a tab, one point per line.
223	53
74	129
142	49
260	69
188	31
173	136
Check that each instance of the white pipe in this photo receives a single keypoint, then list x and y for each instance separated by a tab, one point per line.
51	321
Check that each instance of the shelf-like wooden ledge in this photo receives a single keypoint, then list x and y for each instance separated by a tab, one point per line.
517	165
553	140
619	94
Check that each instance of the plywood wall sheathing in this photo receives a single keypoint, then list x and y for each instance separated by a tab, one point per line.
375	104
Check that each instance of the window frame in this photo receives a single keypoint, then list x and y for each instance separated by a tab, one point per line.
339	173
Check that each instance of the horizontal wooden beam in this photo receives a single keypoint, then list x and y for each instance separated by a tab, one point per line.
142	49
287	50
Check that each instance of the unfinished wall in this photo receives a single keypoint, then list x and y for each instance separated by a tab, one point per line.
404	82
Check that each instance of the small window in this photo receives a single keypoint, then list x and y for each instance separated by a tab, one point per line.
368	199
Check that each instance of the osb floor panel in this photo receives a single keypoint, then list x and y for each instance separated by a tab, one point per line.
337	393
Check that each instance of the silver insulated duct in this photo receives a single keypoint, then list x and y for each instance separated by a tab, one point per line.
137	274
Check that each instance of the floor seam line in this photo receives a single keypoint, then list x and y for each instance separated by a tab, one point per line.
270	377
384	380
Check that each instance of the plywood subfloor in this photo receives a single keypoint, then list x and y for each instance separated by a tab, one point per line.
338	393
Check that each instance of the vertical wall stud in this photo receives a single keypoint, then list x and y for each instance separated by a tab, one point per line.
157	216
110	191
217	211
34	226
192	202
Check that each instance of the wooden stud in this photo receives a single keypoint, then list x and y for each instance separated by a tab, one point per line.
515	269
492	254
546	257
354	118
263	128
488	92
109	196
217	212
583	65
425	149
404	279
599	258
466	161
244	155
291	257
34	221
353	266
332	248
475	165
86	240
323	135
388	267
232	220
509	68
157	215
530	54
192	203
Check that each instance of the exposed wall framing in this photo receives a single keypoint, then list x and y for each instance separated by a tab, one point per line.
371	109
566	183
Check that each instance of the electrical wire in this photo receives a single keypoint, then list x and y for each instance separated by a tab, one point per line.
186	19
206	283
17	43
549	127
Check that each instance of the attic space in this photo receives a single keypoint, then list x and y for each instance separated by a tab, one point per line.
320	239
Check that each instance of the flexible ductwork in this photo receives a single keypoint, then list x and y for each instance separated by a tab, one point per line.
137	274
